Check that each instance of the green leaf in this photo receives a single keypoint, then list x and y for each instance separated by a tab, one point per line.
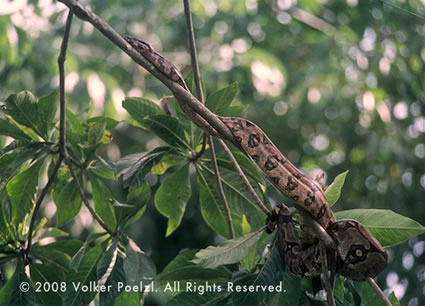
169	159
293	289
85	274
67	200
76	259
6	292
74	131
246	164
110	272
270	274
127	299
369	296
103	172
11	130
50	268
68	246
96	131
196	299
20	297
22	190
387	226
110	122
172	196
102	202
393	299
138	267
22	107
140	108
219	101
231	251
138	196
51	232
134	167
183	270
333	192
238	197
47	108
168	129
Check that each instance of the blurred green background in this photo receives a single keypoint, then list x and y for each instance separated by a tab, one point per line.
336	85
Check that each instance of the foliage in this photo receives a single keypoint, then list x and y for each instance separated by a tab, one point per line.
173	177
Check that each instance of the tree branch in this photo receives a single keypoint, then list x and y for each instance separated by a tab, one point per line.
378	291
39	201
62	121
180	93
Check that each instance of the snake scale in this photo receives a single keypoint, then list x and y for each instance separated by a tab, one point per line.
359	254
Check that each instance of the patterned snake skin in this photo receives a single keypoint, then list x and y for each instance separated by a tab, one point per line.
359	254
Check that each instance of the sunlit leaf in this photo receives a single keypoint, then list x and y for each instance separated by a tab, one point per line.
219	101
387	226
9	129
231	251
22	107
333	191
140	108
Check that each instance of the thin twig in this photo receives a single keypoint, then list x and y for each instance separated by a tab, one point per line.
61	59
221	191
178	91
38	203
86	201
61	66
62	120
378	291
193	53
243	177
200	95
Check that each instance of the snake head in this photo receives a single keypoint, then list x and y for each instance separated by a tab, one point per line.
138	44
360	255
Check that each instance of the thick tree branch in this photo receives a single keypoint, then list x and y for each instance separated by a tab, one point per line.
180	93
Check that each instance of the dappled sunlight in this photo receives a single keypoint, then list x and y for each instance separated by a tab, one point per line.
267	80
97	91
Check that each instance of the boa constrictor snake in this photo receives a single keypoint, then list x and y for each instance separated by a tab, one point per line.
359	254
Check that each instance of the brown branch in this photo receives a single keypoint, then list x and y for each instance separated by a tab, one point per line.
61	59
62	120
85	200
39	201
179	92
193	53
378	291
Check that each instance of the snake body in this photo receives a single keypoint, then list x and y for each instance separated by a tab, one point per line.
359	254
172	72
